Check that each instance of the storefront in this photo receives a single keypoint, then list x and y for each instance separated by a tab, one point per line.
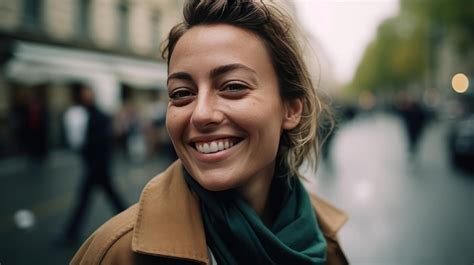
37	63
44	71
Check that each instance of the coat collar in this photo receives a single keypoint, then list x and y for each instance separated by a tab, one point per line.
330	219
169	219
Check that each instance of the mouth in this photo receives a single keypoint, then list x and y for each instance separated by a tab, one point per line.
215	146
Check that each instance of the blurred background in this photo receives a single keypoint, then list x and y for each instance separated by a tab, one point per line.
398	74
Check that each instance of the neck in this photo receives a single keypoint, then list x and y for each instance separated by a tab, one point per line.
256	193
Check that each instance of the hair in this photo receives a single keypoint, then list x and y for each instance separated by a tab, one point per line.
77	88
276	29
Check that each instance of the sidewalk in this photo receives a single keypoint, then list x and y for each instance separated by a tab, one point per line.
49	192
404	209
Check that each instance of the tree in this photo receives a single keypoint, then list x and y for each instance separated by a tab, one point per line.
402	51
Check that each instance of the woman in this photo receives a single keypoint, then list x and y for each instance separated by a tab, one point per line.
242	117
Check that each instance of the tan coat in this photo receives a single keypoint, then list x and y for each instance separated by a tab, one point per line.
165	227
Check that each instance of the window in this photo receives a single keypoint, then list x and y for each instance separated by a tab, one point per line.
155	32
123	14
83	18
32	13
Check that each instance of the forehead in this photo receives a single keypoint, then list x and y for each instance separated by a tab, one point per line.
214	45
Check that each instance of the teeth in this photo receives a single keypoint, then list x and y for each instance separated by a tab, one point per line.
214	146
206	149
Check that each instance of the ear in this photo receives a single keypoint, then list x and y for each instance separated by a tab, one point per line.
292	113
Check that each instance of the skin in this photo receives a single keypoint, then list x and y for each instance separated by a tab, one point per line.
223	87
87	96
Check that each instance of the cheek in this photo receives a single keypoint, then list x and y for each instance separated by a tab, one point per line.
175	125
271	127
265	128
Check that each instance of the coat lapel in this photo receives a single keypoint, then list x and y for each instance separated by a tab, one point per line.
330	218
169	220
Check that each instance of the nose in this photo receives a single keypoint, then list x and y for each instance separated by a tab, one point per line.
206	114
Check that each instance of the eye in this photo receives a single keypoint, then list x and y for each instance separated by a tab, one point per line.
234	88
181	96
181	93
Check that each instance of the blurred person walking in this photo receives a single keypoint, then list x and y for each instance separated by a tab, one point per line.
37	125
88	131
415	119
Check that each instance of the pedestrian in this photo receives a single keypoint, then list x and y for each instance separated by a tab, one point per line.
414	118
38	125
88	131
242	117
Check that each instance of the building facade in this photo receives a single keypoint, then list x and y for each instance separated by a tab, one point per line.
108	44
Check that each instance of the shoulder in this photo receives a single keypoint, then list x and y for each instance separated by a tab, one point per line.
75	113
330	218
112	238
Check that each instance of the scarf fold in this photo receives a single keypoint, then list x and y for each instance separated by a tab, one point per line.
237	235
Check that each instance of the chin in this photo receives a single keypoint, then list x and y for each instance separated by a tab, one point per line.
215	182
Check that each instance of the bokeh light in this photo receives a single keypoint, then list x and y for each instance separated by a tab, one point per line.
460	83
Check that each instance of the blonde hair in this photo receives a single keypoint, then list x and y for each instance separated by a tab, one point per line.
276	29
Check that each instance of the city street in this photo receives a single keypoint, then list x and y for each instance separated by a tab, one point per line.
404	209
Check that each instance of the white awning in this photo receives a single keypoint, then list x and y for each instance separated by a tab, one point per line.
34	63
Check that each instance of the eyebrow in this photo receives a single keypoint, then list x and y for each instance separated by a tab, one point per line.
214	72
228	68
179	75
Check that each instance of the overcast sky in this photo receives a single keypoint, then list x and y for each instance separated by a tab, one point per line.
344	28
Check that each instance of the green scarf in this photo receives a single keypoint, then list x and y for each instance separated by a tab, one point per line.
236	234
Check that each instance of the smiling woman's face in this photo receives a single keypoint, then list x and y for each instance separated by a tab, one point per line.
225	114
